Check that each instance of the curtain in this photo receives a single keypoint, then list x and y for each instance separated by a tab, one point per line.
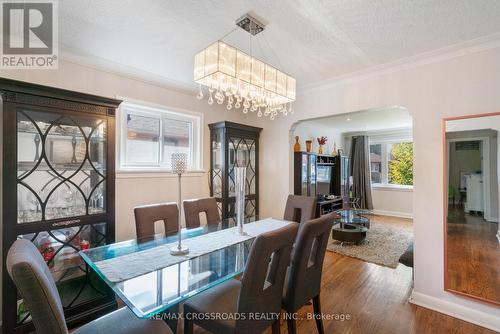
360	171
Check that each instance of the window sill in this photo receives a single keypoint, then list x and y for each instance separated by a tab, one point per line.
133	173
391	187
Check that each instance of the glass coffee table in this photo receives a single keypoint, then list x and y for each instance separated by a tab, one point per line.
351	225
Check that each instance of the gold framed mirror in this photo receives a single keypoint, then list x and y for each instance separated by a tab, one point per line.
472	206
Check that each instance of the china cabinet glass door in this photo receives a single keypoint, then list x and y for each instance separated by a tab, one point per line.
61	167
61	174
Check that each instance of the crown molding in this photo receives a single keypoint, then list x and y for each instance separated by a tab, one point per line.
126	71
454	51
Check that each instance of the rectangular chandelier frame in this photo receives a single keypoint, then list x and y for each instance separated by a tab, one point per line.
222	64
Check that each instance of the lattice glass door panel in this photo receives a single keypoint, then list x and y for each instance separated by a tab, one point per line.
217	164
61	166
250	208
75	281
242	152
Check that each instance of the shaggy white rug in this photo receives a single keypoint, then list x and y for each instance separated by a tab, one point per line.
384	244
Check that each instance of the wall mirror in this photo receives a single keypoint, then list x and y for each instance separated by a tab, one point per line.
471	215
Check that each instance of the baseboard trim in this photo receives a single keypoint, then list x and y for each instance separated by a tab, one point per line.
468	314
491	219
393	213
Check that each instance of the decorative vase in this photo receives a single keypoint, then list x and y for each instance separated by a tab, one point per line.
320	149
240	174
296	147
334	153
309	145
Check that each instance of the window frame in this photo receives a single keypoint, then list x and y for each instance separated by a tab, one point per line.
385	158
145	109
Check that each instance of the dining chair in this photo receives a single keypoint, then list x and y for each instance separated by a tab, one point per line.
145	218
259	291
147	215
303	281
300	208
193	208
34	281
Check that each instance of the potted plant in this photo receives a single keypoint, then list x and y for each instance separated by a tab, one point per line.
321	141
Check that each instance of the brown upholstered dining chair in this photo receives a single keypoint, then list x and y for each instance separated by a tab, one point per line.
147	215
34	281
259	291
300	208
145	218
303	280
193	208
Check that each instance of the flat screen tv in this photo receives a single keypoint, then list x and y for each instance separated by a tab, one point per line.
324	179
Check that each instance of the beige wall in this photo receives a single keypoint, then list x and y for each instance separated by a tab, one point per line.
460	84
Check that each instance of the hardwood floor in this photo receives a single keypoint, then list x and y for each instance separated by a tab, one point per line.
374	298
473	255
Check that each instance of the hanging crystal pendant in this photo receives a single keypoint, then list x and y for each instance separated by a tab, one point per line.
210	99
199	96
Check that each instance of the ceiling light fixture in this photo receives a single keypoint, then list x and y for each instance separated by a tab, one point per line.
242	80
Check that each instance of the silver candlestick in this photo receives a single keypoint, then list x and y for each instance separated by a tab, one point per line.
179	166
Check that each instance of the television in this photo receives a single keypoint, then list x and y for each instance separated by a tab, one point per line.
324	179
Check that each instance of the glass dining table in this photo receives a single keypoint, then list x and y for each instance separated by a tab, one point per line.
155	292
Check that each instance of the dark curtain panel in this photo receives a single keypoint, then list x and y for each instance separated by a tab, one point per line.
360	171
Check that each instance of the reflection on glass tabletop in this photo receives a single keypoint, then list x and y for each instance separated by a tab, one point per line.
157	291
352	216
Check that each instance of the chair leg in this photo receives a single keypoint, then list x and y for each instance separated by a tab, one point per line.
276	327
318	314
291	324
172	319
188	326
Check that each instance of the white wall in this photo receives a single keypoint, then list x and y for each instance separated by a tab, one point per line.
393	201
460	84
312	130
144	188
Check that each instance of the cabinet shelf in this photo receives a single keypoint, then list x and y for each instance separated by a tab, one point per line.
44	167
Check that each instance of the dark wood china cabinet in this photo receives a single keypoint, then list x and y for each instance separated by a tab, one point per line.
58	191
231	142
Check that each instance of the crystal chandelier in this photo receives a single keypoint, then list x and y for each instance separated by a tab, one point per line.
242	81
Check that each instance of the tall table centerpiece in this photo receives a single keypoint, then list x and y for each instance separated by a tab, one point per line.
179	166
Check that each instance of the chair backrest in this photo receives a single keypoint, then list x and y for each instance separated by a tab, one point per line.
32	277
262	282
193	208
300	208
306	267
147	215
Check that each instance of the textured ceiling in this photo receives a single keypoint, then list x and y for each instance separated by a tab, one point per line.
312	40
366	120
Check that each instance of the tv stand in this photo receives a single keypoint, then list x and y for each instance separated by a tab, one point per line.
324	207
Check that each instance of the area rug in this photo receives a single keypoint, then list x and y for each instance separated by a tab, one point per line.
384	244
